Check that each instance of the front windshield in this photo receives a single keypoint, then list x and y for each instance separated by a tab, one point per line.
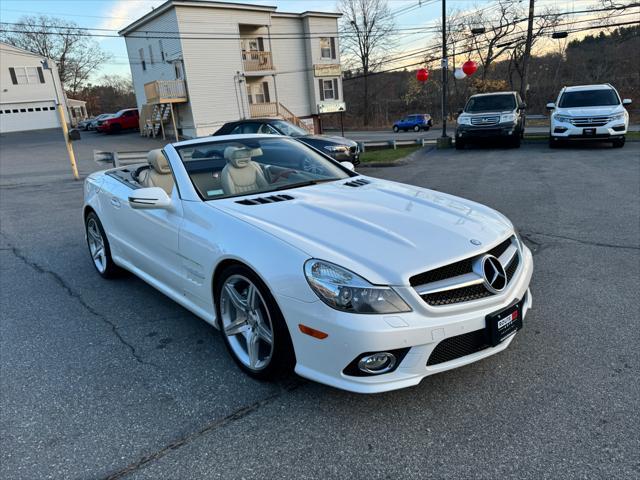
491	103
253	165
289	128
589	98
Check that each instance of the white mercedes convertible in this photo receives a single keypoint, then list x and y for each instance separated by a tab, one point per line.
302	264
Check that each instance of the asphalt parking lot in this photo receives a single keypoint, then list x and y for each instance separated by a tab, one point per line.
110	379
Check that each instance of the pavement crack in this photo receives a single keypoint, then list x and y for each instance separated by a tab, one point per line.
527	235
61	282
180	442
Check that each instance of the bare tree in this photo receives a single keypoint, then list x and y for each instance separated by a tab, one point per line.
367	27
76	54
501	26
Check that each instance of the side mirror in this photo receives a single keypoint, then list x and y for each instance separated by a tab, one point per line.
551	106
348	165
627	101
460	111
149	198
523	106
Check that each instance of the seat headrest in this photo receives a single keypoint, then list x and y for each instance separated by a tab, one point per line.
240	157
158	161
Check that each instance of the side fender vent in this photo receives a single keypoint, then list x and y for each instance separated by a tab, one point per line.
263	200
357	183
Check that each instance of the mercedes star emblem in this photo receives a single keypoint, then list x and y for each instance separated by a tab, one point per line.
495	278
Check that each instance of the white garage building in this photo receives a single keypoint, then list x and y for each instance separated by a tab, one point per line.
29	93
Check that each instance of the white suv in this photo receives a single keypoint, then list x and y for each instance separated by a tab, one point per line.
588	112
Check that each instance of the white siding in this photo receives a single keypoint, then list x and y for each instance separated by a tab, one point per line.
290	60
158	70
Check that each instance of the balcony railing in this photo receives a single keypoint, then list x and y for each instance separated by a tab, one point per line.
273	109
165	91
255	61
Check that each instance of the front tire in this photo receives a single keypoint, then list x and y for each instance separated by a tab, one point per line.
515	141
252	326
99	247
459	144
396	129
416	128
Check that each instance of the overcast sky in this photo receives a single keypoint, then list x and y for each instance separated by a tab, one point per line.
115	14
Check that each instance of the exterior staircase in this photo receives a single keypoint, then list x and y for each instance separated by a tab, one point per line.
153	119
274	109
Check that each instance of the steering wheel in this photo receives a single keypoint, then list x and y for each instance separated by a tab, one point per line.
283	173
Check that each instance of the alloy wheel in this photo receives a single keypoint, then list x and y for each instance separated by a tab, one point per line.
246	322
96	245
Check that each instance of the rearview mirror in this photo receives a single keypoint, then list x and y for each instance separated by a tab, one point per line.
148	198
348	165
551	106
627	101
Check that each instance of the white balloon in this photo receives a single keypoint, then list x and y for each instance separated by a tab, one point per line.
459	74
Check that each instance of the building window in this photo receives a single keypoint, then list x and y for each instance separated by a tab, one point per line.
26	75
258	92
177	66
150	54
328	89
328	47
162	57
142	61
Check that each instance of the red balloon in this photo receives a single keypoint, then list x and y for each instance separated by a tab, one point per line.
422	75
469	67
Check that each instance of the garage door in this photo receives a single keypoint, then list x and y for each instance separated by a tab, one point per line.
18	117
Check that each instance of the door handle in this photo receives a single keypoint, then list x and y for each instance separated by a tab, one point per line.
115	202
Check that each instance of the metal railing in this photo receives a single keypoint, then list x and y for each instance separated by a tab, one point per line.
255	61
165	91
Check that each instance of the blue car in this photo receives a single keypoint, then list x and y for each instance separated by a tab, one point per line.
416	122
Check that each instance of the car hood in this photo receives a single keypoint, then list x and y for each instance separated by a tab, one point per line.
590	111
383	231
327	139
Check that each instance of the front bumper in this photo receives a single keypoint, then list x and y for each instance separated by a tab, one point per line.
568	131
420	330
475	131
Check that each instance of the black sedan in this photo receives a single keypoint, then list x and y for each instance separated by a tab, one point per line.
340	148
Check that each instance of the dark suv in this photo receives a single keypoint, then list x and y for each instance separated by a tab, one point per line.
491	115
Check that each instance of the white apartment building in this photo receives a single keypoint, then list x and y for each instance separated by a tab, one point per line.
211	62
29	92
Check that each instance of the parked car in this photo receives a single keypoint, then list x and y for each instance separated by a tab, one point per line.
588	112
339	148
416	122
499	115
84	124
357	282
123	120
93	125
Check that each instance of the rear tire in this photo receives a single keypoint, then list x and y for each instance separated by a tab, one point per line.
99	249
251	324
618	142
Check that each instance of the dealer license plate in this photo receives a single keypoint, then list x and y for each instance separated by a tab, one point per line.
505	323
589	132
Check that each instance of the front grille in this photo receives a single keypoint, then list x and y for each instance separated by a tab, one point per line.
467	293
490	120
459	346
589	121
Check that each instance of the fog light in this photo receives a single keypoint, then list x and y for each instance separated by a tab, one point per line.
377	363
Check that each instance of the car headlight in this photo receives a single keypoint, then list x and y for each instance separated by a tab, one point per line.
337	148
344	290
562	118
464	120
617	117
508	117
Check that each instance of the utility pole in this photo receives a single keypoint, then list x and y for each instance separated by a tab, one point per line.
444	141
524	85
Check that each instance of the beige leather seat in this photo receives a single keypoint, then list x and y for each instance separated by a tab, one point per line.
241	174
159	175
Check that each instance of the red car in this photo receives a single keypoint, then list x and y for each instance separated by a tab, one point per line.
123	120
